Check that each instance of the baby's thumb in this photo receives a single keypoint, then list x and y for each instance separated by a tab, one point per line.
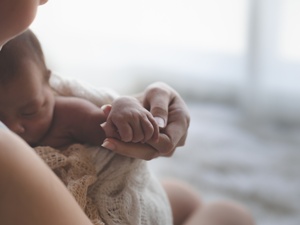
106	109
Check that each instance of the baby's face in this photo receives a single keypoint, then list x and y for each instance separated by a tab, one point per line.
27	103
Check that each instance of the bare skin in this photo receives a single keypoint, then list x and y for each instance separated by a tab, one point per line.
52	204
188	209
30	192
163	102
40	118
16	16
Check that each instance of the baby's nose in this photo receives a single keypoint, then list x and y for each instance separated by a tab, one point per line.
16	128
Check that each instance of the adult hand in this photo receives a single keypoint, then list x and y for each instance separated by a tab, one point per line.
172	116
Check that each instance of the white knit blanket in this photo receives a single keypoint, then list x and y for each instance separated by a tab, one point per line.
124	191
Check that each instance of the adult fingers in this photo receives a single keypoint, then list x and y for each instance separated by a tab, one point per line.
168	139
174	134
157	99
133	150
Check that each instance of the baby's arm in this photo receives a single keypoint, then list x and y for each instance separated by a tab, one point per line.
130	122
78	120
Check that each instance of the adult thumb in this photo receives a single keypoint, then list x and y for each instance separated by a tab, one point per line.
158	106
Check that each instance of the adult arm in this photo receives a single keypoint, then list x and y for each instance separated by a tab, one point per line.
30	192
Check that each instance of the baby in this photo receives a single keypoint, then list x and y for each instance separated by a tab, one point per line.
123	191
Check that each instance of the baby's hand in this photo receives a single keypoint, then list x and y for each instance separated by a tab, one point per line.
130	122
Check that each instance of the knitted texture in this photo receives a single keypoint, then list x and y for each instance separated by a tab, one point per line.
77	172
110	188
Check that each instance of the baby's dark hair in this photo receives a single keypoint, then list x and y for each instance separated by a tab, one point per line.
24	46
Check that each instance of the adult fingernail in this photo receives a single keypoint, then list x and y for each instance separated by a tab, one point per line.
108	145
160	122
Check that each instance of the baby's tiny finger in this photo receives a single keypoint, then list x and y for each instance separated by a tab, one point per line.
148	130
125	132
155	127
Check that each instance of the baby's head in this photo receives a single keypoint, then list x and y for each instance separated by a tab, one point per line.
26	99
16	54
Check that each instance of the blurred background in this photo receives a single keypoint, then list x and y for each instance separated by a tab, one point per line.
235	62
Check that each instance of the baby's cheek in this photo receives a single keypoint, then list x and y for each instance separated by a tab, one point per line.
38	127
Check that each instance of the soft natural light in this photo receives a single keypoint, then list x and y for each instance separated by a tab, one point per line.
160	38
290	30
200	46
214	25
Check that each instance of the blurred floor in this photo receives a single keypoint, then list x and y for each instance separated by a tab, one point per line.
227	156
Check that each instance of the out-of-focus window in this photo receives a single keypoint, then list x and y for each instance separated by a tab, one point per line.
289	32
204	48
151	40
274	62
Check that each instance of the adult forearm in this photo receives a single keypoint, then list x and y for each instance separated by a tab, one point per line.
30	192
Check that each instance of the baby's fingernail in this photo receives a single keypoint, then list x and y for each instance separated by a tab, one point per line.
106	108
160	122
103	107
108	145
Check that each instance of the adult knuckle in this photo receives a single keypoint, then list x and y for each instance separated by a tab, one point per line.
158	89
169	147
149	156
